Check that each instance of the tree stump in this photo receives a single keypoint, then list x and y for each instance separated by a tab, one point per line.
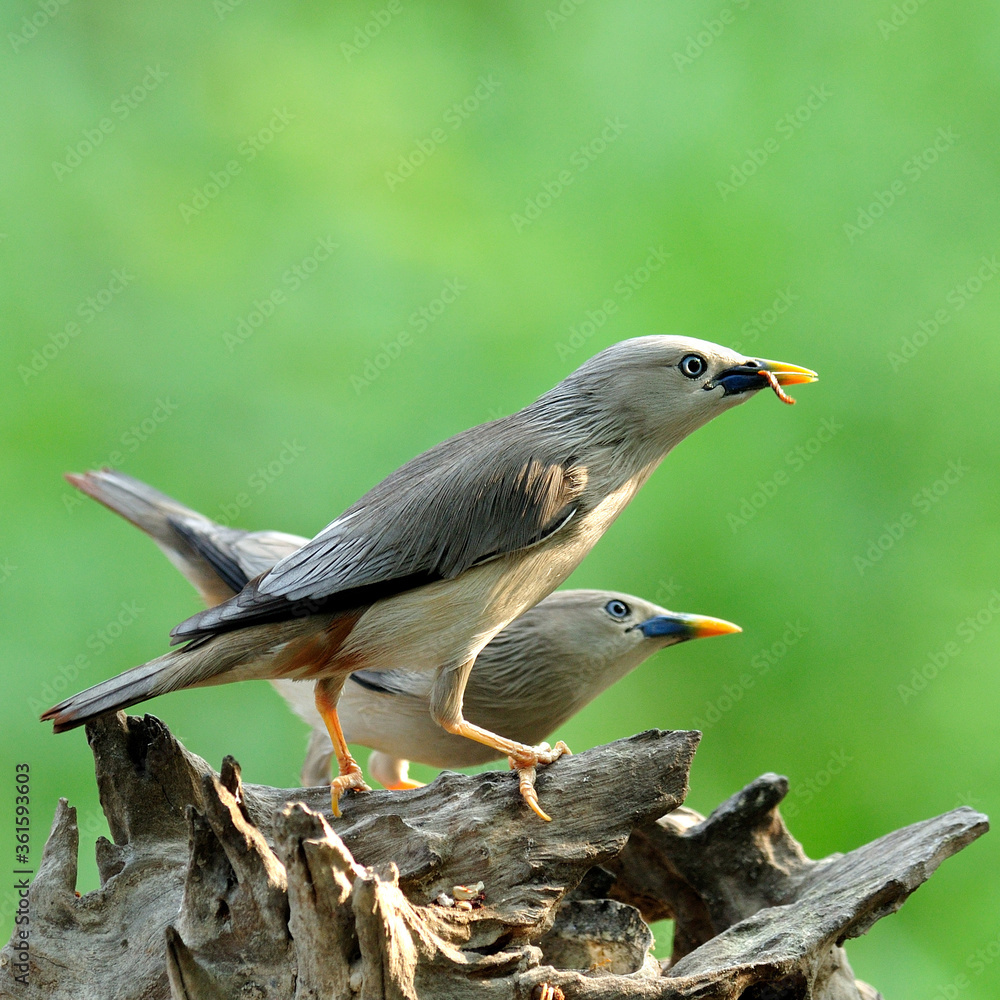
215	889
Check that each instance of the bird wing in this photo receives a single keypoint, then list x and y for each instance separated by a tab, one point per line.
472	498
235	556
411	683
258	551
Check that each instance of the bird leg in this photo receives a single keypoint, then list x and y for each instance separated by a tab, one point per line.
404	785
391	772
446	709
349	773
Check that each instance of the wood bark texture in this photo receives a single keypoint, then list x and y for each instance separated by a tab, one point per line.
212	888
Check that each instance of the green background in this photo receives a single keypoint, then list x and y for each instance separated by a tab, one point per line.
864	755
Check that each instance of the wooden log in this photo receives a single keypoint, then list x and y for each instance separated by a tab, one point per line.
214	888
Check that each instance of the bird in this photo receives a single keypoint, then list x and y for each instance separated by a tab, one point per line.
542	669
436	559
535	675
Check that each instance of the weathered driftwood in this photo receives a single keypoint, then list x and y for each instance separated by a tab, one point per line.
216	889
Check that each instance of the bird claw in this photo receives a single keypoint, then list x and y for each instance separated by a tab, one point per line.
351	779
526	765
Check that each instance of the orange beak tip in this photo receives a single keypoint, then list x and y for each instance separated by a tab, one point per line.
789	374
795	378
708	627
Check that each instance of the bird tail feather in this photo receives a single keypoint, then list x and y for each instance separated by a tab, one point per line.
188	539
180	668
146	508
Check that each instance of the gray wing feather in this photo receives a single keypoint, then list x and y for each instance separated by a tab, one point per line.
492	490
258	551
237	555
412	683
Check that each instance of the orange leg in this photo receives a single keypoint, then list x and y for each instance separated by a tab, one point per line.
446	708
350	775
404	785
391	772
522	758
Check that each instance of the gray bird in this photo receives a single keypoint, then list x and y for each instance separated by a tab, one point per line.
542	669
434	561
538	672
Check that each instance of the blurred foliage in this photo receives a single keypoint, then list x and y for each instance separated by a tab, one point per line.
813	183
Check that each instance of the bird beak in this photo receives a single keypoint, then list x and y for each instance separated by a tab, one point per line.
753	375
685	627
787	374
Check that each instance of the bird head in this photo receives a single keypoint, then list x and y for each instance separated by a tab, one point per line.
567	649
604	634
666	387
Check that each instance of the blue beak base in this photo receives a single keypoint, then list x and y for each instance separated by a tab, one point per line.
662	625
685	627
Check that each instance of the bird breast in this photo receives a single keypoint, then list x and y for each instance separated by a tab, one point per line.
447	622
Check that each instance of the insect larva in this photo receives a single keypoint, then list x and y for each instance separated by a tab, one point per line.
778	391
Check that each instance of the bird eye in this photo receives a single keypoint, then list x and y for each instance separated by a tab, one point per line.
693	365
617	609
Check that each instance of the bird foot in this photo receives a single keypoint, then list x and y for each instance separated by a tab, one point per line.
404	785
526	764
350	778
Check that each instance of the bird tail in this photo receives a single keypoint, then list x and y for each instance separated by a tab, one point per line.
146	508
195	544
187	667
